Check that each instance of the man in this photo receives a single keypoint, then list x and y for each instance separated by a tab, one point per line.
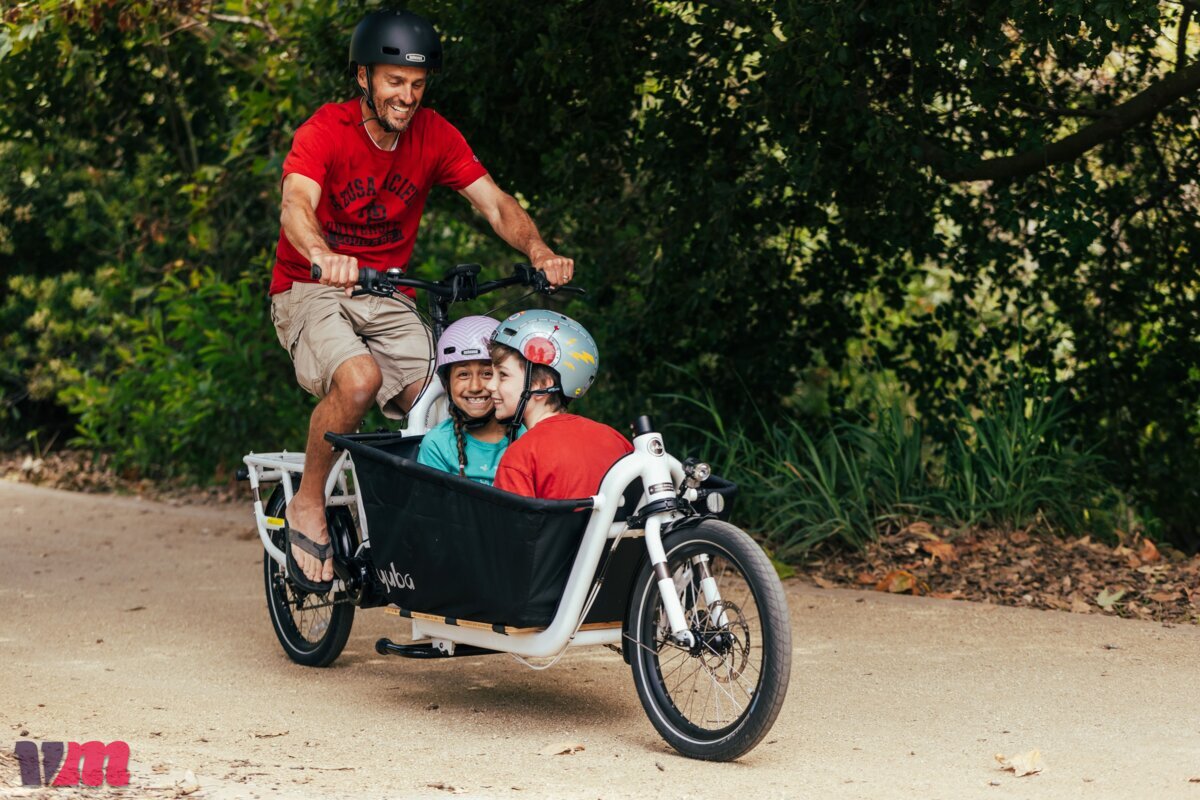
354	187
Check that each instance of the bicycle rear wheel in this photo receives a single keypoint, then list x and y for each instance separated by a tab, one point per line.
312	628
717	699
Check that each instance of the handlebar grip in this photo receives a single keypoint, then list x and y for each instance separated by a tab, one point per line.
366	275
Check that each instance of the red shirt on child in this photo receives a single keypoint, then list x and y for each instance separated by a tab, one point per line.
371	199
563	457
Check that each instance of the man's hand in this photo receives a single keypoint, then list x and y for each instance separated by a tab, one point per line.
559	269
336	269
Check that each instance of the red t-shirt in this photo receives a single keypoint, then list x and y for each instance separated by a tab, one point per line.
371	199
563	457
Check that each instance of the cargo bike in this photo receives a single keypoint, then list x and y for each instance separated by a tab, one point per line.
648	566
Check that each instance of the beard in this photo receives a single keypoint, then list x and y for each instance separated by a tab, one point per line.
382	110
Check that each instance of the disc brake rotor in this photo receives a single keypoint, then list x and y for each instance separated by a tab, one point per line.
724	645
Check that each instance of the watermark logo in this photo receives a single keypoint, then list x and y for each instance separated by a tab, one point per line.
89	764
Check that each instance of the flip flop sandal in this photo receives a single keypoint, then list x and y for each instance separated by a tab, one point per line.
294	573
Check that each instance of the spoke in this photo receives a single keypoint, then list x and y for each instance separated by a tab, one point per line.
691	695
716	696
678	667
713	678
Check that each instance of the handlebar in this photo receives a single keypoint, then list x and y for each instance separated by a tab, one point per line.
459	283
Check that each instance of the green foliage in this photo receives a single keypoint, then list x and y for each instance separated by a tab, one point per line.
203	371
1009	465
774	190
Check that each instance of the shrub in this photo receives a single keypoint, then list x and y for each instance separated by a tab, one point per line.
1009	464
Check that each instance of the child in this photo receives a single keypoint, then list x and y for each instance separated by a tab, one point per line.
471	442
541	361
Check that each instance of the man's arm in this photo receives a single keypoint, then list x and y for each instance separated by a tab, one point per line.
513	225
299	220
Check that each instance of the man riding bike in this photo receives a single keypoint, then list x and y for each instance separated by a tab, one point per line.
354	188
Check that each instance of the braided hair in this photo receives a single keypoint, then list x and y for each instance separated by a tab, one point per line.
460	436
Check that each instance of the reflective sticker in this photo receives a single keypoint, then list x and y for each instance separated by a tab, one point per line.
275	522
540	350
660	488
416	57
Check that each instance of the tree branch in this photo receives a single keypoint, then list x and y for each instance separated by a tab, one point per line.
1185	19
1139	108
262	25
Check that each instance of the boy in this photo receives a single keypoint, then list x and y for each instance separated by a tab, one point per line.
543	360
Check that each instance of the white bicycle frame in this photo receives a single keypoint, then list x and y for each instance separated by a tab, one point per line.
660	473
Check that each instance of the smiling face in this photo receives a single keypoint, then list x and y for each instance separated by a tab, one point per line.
396	92
506	385
468	387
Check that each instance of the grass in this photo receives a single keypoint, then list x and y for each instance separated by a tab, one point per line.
1009	464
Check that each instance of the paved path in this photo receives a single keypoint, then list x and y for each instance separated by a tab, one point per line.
129	619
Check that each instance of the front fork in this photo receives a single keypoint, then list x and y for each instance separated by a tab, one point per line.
660	489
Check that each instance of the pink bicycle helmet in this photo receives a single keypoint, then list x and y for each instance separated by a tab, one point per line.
466	339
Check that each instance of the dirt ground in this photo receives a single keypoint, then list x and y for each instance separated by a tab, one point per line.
145	622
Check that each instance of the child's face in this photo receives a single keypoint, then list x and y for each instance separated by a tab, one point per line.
506	384
469	387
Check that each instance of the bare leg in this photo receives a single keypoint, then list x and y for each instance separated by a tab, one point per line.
409	394
354	386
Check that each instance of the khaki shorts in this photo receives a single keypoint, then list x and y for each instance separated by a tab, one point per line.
321	328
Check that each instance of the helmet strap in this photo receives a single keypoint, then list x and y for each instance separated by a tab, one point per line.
514	424
468	422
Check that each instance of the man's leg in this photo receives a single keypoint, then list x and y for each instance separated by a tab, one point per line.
407	397
352	391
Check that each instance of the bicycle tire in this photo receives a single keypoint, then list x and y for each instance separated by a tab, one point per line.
728	643
318	640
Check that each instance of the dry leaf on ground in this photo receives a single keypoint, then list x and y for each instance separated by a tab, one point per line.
1148	552
1032	569
188	785
1109	597
561	749
1021	765
941	550
899	581
445	787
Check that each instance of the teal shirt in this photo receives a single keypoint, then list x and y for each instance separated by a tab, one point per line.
439	449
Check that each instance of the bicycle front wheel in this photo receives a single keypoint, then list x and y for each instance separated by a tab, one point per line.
717	699
312	628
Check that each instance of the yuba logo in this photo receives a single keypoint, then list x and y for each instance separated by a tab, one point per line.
90	763
394	578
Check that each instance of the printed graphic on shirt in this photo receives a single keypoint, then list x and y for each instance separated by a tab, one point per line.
375	229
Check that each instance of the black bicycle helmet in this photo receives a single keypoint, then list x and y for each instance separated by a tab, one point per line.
395	37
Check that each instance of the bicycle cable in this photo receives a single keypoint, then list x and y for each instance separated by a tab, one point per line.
427	328
509	304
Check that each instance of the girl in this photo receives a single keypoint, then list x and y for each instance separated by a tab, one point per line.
471	442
